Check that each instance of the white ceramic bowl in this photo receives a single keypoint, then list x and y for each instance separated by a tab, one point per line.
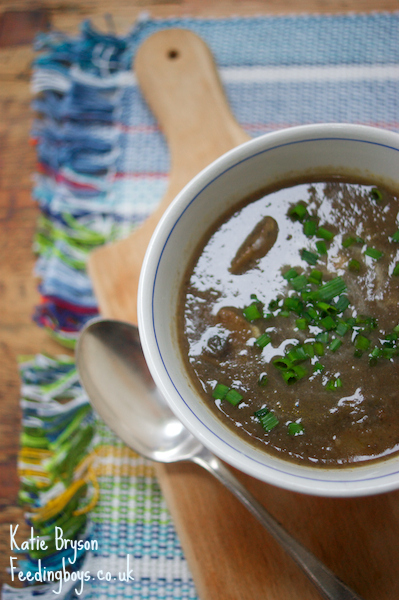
273	158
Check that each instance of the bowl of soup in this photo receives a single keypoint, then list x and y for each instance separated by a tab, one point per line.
269	308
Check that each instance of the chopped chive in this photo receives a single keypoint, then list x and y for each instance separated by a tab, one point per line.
274	305
263	380
326	308
298	212
396	328
315	276
321	247
373	253
220	391
333	384
281	363
295	428
335	344
313	313
309	228
309	257
359	240
395	237
322	337
289	376
391	337
366	322
318	348
299	282
348	241
309	350
324	233
267	419
233	397
263	340
252	312
306	315
354	265
269	422
396	269
329	290
388	344
389	352
301	324
361	342
328	323
296	355
342	328
300	371
342	304
318	367
284	313
376	195
374	356
290	274
293	304
305	294
261	412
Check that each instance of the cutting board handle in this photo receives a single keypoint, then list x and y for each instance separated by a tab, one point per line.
177	75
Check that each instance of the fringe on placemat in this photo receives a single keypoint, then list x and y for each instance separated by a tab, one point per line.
77	145
58	484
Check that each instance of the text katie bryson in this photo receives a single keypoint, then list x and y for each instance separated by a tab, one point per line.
61	543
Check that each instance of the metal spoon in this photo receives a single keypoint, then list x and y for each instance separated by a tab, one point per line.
114	373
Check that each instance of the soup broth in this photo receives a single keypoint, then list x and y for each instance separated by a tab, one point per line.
288	322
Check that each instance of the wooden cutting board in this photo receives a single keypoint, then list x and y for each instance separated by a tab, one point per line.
230	556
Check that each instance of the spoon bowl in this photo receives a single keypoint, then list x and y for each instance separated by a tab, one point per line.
114	373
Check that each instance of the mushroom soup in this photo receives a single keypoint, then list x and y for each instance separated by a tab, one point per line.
289	322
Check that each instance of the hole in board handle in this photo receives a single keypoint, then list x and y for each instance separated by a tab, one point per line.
173	54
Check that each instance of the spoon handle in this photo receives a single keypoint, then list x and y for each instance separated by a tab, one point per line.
325	580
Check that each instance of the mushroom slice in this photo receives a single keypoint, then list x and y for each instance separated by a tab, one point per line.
258	243
232	319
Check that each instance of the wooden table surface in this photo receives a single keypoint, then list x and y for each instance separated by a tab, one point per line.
19	20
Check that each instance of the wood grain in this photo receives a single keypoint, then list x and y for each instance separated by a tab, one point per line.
366	555
356	538
21	27
66	15
18	293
